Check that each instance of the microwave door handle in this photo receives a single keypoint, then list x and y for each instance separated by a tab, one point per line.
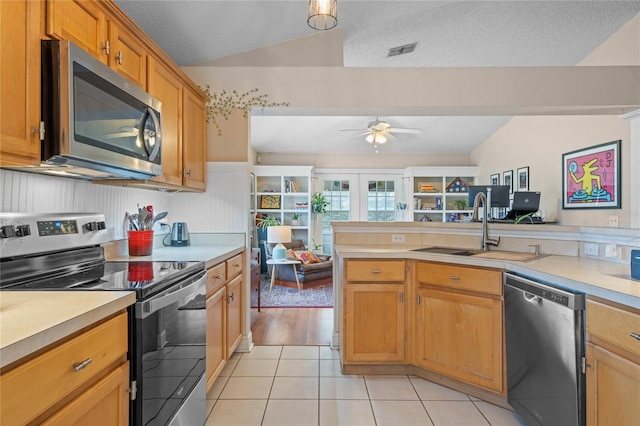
157	134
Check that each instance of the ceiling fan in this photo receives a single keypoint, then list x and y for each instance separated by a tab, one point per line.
379	132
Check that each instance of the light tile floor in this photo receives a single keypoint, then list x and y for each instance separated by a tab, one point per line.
303	385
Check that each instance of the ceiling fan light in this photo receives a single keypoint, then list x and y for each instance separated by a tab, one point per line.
380	138
369	138
323	14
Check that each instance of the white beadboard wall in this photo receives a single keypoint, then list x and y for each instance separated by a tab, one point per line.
223	208
225	205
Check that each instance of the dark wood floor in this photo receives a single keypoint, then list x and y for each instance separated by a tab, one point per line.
292	326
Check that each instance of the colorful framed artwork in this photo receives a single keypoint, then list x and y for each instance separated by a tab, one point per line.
591	177
522	179
507	179
495	179
269	201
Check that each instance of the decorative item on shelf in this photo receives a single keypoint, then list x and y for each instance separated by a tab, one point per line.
438	203
458	185
318	203
267	221
302	205
323	14
295	219
270	202
279	235
460	204
424	187
223	104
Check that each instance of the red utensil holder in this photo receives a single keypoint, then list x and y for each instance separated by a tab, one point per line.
140	243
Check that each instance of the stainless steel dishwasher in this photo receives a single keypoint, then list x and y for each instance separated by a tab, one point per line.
544	332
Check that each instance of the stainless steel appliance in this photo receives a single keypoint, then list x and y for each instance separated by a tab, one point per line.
95	124
545	351
166	325
180	234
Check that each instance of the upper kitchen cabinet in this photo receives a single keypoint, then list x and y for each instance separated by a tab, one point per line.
81	21
194	121
165	85
20	83
126	54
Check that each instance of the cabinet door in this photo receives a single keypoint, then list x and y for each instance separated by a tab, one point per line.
164	85
374	325
105	403
194	142
234	314
460	336
127	55
81	21
20	83
613	389
216	328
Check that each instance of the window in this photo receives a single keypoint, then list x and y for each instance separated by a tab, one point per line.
338	194
381	201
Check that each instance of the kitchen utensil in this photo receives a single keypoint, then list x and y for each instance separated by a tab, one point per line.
180	235
159	216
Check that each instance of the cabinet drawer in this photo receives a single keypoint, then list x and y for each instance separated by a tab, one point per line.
614	325
375	270
216	277
234	266
463	278
52	375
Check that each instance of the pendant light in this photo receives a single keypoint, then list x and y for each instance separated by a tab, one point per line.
323	14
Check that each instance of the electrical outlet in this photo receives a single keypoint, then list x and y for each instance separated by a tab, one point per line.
397	238
591	249
613	221
611	250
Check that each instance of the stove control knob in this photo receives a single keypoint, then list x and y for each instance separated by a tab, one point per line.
23	230
7	231
102	225
91	226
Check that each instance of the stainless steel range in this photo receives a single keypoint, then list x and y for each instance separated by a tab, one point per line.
62	251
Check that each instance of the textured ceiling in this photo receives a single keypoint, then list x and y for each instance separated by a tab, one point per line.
449	34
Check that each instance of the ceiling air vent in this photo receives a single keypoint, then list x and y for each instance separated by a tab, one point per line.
401	50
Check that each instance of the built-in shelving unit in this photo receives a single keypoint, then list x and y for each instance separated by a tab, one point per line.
283	192
437	191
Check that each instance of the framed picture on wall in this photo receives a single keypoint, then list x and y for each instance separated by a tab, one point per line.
522	179
495	179
269	201
591	177
507	179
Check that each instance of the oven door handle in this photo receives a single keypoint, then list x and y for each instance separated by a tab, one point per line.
162	300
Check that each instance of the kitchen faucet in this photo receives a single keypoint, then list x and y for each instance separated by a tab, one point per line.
485	241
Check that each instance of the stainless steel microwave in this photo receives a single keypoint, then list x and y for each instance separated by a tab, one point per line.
96	124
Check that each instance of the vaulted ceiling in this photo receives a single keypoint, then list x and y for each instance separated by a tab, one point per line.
448	34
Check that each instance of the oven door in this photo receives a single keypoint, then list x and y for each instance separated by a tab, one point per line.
168	355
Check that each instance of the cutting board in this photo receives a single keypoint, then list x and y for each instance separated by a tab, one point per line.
506	255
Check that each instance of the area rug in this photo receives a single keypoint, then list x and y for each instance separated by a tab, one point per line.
286	297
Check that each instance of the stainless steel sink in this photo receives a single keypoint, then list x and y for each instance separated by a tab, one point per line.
447	250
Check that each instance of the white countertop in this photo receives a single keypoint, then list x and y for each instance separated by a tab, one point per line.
32	320
607	280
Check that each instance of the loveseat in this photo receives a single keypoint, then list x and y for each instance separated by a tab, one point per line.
309	275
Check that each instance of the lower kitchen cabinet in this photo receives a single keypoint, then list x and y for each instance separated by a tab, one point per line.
460	336
224	314
374	311
216	330
83	380
374	326
613	365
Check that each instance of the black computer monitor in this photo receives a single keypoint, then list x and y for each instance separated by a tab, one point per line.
499	194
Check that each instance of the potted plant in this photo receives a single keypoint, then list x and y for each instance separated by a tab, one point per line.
295	219
460	203
266	221
317	248
318	203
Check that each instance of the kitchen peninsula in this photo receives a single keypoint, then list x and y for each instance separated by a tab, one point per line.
441	316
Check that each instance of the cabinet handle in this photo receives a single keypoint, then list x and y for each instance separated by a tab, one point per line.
418	300
635	336
106	48
40	131
401	297
119	57
376	271
230	298
219	277
454	277
77	366
237	265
